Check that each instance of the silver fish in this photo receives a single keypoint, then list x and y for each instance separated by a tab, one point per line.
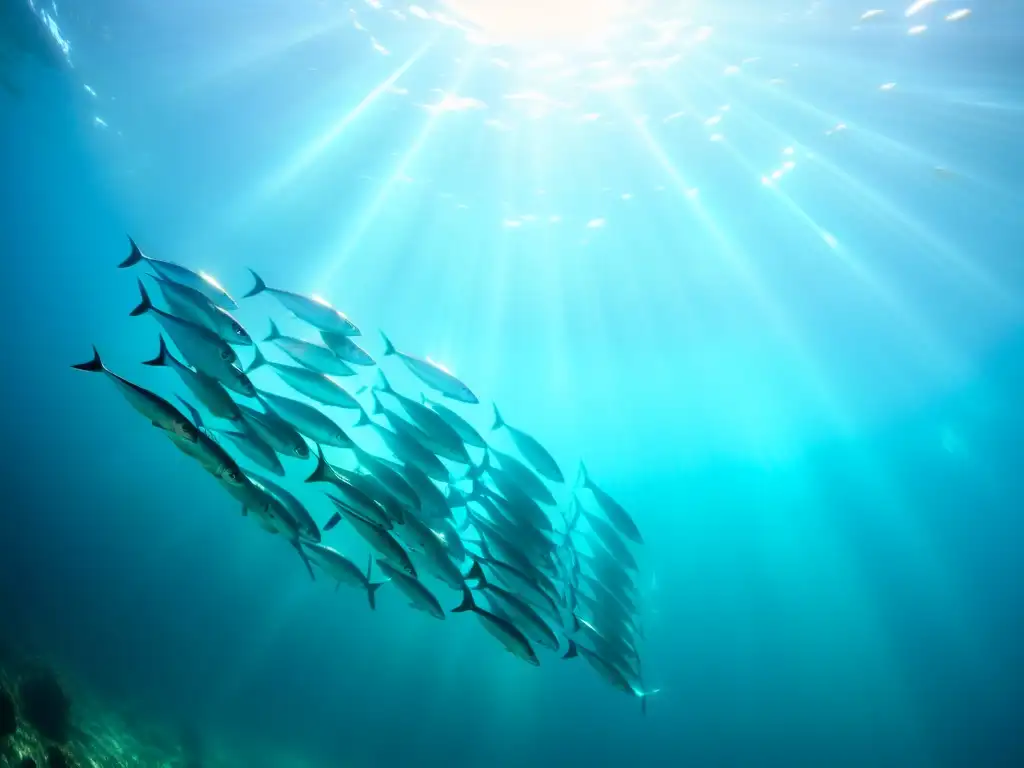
343	346
344	571
312	384
307	420
422	599
506	632
195	306
531	449
316	312
199	280
306	353
208	390
154	408
432	374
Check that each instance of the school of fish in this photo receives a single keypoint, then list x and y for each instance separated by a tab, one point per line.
543	566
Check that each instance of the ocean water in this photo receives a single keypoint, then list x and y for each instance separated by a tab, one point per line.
757	264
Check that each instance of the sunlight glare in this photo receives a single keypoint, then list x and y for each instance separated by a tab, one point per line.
563	23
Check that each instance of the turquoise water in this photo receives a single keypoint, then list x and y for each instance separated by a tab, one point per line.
756	264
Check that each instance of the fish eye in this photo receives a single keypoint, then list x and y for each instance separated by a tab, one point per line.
239	331
225	355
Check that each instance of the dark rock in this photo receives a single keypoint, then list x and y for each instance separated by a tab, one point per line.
28	762
45	706
8	714
56	758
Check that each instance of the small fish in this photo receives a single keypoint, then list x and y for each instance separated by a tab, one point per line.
306	353
390	477
313	385
612	540
517	609
520	475
420	537
307	525
316	312
432	424
432	500
209	391
211	455
200	281
255	448
506	632
275	431
404	446
344	571
422	599
346	349
378	538
195	306
154	408
353	498
611	674
433	375
308	420
201	347
532	451
615	512
464	429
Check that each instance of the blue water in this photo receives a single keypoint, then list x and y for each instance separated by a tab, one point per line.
806	387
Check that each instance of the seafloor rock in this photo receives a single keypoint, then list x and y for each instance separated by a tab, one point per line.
45	706
8	714
28	762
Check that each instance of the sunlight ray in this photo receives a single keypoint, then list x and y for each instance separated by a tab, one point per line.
311	152
354	236
753	283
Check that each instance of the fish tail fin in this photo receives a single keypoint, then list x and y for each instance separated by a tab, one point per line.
258	360
582	477
467	604
424	399
258	287
364	419
162	355
383	384
371	593
335	519
197	419
477	573
304	557
362	389
573	651
378	408
389	348
144	303
322	472
93	366
274	333
498	421
133	258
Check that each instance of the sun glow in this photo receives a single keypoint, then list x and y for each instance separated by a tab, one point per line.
563	23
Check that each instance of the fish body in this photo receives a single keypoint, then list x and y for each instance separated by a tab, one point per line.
615	512
531	449
343	570
316	312
159	412
195	306
275	431
430	422
208	390
507	633
307	420
314	385
257	450
421	598
307	525
200	346
183	275
465	430
312	356
433	375
346	349
352	498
